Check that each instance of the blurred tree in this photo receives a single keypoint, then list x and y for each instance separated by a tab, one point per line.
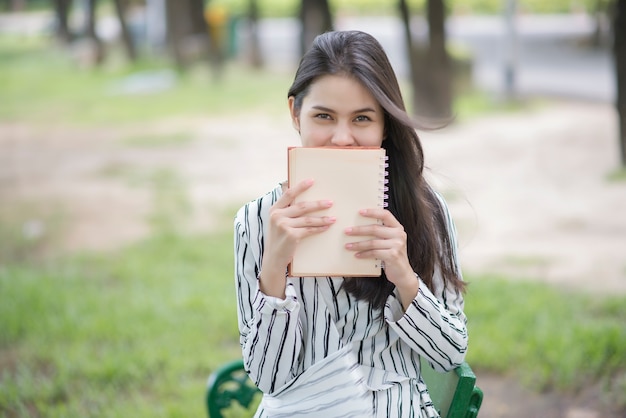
120	10
510	58
431	73
187	31
254	52
17	5
94	48
315	18
600	11
91	51
619	52
188	34
62	9
405	15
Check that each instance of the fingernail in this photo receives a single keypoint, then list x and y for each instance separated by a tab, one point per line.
348	230
348	245
328	203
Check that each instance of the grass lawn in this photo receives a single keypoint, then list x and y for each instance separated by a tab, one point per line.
41	83
130	334
137	332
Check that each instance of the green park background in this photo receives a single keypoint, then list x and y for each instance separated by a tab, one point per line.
136	331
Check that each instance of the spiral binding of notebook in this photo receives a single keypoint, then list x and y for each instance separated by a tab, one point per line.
384	181
383	189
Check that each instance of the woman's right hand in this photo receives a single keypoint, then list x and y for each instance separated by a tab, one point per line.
289	224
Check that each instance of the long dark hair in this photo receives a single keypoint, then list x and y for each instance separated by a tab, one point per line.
411	200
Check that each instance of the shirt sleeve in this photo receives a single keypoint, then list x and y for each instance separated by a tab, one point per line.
434	325
269	329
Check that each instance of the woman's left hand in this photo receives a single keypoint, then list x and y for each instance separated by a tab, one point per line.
388	244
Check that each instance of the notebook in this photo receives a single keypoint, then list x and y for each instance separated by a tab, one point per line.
354	179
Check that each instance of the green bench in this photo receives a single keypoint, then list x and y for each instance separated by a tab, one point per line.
454	393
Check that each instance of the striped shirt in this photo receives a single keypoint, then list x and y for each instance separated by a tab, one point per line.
283	338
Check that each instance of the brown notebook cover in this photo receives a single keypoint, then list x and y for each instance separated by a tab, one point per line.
353	178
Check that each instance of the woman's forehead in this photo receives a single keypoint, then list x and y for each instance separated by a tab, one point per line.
339	90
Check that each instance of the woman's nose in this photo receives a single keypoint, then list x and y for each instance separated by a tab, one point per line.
343	136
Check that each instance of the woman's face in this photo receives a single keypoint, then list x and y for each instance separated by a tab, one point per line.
338	111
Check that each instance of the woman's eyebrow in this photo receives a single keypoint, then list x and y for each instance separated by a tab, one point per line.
365	110
329	110
323	109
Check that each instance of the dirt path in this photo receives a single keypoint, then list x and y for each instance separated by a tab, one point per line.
528	192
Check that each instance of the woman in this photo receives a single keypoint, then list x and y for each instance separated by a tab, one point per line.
329	346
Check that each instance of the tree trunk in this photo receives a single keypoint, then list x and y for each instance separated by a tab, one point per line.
187	32
619	52
412	52
90	30
315	18
62	9
174	25
18	5
126	38
439	99
510	59
431	73
93	54
254	51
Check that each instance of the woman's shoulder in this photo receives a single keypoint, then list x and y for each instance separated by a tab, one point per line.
259	205
441	199
436	196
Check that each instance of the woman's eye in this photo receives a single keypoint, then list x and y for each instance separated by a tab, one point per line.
322	116
362	118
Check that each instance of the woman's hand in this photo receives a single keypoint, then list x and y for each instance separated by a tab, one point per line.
388	244
289	224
